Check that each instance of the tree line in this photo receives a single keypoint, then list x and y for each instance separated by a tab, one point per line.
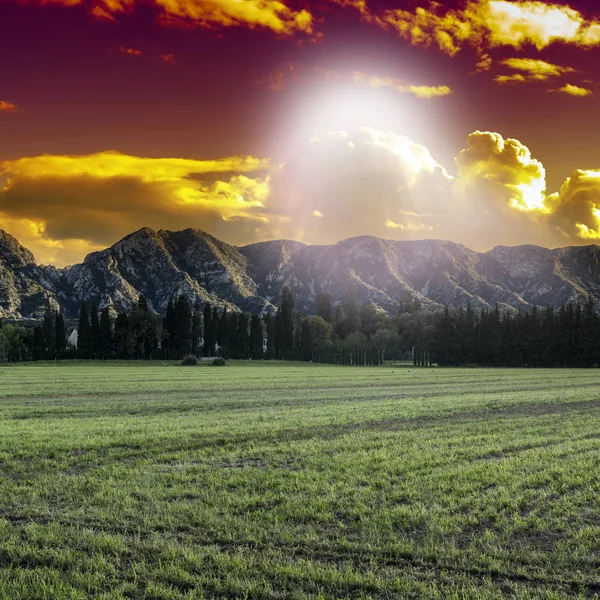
348	332
565	337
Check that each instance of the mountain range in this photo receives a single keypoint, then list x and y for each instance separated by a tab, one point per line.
164	264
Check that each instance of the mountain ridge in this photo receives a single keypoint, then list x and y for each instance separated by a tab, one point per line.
162	264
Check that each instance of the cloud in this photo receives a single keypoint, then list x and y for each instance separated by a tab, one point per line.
343	184
576	208
485	24
166	58
92	200
130	51
505	169
267	14
540	70
279	80
273	15
507	79
6	106
574	90
484	64
422	91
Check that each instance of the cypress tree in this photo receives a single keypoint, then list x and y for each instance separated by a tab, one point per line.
196	331
306	341
215	328
122	335
106	334
324	305
38	343
233	342
590	334
84	338
223	335
168	325
182	316
95	330
287	318
443	334
60	334
339	322
256	338
270	329
48	329
279	335
208	345
352	311
243	336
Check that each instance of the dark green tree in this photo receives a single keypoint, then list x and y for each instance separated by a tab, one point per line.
243	336
123	341
215	325
324	305
144	329
95	330
223	336
169	326
256	338
106	334
279	336
60	333
182	317
38	343
287	318
48	329
233	343
84	334
306	346
208	346
270	331
352	311
196	331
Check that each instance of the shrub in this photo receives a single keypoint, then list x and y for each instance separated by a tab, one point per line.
219	362
189	360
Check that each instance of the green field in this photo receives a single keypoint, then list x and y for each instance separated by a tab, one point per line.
298	481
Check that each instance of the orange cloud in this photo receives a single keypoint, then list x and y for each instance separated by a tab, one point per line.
8	106
273	15
57	203
278	81
574	90
536	70
485	24
267	14
422	91
130	51
166	58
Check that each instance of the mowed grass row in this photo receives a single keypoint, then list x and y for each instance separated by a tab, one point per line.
298	481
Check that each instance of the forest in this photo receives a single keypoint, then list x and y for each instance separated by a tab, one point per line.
349	332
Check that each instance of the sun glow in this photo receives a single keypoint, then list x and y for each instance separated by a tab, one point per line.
347	107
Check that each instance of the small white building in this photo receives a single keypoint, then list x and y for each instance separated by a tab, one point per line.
72	339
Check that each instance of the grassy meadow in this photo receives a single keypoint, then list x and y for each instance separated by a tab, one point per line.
279	481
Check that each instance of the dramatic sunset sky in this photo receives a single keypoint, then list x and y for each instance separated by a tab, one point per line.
474	121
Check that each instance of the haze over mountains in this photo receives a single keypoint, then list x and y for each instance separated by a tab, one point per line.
162	264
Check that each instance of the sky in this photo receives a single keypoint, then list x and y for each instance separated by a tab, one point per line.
473	121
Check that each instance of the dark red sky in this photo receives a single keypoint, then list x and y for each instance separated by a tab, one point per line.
201	80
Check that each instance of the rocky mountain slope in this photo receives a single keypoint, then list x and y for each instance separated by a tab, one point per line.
162	264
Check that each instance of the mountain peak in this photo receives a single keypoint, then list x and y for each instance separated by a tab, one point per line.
11	250
162	264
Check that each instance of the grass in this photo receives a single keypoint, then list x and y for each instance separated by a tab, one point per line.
298	481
